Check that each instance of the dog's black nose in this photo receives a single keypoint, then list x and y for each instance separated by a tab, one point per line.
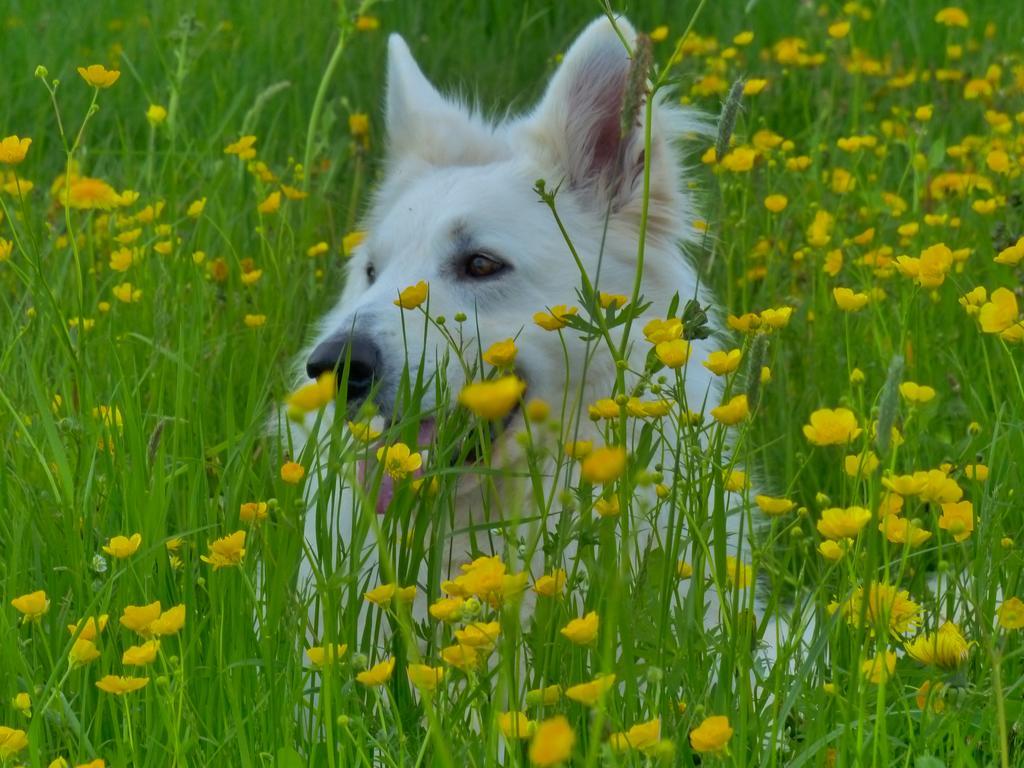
359	353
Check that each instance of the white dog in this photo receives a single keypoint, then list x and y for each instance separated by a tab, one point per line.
457	208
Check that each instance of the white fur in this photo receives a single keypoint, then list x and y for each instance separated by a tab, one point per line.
451	174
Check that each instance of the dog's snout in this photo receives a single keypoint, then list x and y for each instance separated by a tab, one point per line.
358	353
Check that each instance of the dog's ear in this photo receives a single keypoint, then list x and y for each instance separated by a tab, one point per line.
578	124
423	123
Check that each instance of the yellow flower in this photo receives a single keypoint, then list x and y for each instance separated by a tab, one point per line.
292	472
952	17
13	149
270	204
413	296
589	694
359	123
378	674
832	427
365	23
501	353
253	511
674	353
127	293
122	259
848	300
6	248
997	160
736	481
12	741
641	736
363	431
254	321
323	655
141	655
860	465
383	594
398	460
464	657
712	735
837	523
900	530
448	609
886	607
732	412
195	208
607	300
169	622
839	29
156	114
556	318
548	696
243	148
314	395
551	585
754	86
832	550
478	634
880	668
493	399
425	677
91	627
119	686
657	331
32	606
773	506
946	649
226	551
1000	313
721	363
924	113
23	703
930	691
582	631
1011	614
138	618
776	203
514	725
604	465
739	160
351	241
123	546
738	574
87	193
99	76
82	652
958	519
552	742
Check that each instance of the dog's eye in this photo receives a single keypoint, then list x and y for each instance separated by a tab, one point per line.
479	265
371	273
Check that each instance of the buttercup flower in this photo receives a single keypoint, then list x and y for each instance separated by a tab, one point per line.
12	741
641	736
732	412
169	622
32	606
551	585
119	686
589	694
413	296
604	465
1011	614
837	523
98	76
712	735
323	655
721	363
425	677
514	725
582	631
122	547
226	551
138	618
674	353
552	742
141	655
493	399
292	472
555	318
832	427
13	149
378	674
958	519
501	354
398	460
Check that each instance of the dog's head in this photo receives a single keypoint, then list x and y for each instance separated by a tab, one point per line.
457	208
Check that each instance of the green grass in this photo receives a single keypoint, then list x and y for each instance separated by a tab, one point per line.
195	387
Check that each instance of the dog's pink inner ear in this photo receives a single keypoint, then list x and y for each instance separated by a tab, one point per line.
595	121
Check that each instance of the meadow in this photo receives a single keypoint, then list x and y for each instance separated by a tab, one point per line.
182	215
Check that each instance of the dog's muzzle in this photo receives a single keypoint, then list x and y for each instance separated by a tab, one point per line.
356	352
